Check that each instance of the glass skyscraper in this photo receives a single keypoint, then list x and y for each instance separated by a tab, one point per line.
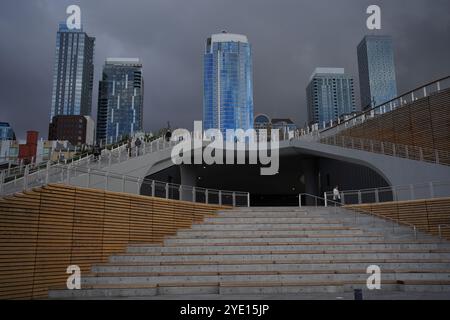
6	132
120	99
377	77
227	83
330	94
73	74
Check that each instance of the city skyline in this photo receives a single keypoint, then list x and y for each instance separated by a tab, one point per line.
278	82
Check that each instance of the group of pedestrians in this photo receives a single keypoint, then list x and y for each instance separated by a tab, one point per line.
137	144
97	150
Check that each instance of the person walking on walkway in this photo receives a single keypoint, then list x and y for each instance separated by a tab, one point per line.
137	144
96	152
336	194
129	147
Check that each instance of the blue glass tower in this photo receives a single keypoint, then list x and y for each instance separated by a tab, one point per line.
376	71
228	83
120	99
73	74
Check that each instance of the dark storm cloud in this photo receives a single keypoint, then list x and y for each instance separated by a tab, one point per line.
289	39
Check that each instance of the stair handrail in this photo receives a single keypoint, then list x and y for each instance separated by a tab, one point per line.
429	187
363	114
441	157
359	211
100	179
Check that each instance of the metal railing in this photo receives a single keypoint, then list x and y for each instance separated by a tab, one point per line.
334	127
358	213
420	191
390	149
99	179
15	181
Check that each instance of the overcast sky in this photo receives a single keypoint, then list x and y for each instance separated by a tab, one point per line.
289	37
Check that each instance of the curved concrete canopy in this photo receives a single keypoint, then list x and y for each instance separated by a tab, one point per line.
396	171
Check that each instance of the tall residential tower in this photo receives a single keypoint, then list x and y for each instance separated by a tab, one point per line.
377	77
120	99
73	74
227	83
330	94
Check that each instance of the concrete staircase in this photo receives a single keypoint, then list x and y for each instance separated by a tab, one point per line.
273	251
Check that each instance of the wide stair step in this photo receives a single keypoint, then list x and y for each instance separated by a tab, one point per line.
276	251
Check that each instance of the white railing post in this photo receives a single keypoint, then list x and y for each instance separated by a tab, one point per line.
47	172
220	197
377	196
123	183
326	200
248	199
193	194
206	196
180	191
68	175
234	199
106	180
25	177
359	197
88	178
167	191
138	191
300	200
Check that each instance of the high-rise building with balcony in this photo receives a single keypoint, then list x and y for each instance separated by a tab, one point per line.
73	74
120	100
227	83
377	78
330	94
